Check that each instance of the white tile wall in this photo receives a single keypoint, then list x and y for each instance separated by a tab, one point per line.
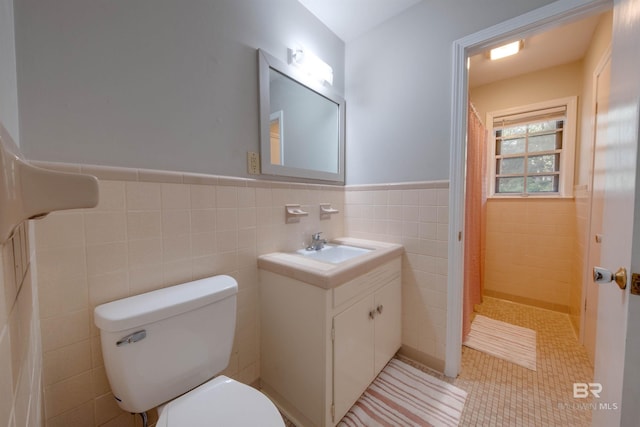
415	215
529	245
20	346
144	236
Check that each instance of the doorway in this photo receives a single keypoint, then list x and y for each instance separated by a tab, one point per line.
536	224
556	14
617	346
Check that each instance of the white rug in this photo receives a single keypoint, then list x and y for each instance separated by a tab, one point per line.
402	395
503	340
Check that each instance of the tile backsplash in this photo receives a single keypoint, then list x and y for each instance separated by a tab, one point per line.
145	235
415	215
153	229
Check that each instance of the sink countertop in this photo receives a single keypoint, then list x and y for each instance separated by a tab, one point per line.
327	275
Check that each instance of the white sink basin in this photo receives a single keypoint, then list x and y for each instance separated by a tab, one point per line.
334	254
344	259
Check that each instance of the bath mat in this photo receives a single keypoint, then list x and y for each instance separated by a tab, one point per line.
402	395
503	340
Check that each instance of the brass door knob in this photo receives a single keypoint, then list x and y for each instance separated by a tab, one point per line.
602	275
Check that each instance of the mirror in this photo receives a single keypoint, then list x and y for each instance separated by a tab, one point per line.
301	124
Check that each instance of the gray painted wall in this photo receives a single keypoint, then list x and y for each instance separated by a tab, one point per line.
162	84
399	88
166	85
8	83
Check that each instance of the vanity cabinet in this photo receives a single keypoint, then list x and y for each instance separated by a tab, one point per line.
321	348
367	335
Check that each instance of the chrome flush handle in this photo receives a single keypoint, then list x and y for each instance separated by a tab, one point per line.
131	338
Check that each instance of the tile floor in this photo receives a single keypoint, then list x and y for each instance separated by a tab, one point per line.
504	394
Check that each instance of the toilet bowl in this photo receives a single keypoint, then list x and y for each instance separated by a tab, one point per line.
164	349
220	402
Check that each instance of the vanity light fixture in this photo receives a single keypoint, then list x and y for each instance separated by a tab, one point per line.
311	65
506	50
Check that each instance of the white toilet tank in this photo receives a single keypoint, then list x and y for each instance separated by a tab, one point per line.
161	344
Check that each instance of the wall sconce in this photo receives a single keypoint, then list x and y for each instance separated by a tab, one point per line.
311	65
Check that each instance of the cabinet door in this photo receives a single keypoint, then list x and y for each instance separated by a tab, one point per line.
352	354
388	324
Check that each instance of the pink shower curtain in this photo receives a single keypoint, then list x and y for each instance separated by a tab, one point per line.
475	207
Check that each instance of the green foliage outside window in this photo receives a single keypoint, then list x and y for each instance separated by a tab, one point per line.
528	157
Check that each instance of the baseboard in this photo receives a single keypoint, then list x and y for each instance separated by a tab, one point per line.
423	358
528	301
284	406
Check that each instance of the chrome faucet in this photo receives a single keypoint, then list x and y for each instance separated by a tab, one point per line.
316	242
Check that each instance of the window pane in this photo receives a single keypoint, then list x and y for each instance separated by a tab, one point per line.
511	146
527	153
545	126
546	163
510	165
548	142
510	185
514	130
542	184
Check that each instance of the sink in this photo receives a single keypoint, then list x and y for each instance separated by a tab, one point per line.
344	259
335	254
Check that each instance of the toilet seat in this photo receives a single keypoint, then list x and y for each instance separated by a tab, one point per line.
221	402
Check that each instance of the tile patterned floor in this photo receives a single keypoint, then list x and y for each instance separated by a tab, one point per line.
505	394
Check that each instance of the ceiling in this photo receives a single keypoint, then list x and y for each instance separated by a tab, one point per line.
557	46
349	19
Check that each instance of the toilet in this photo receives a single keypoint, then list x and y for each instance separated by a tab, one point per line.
164	349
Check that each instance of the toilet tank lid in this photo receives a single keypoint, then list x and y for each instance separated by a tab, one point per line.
156	305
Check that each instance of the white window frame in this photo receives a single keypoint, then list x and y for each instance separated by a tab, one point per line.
567	156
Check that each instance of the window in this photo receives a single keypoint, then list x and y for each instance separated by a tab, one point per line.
531	150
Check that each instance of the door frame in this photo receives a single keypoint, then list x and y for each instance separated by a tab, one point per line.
535	21
586	274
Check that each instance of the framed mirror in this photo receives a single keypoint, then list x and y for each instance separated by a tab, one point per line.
301	124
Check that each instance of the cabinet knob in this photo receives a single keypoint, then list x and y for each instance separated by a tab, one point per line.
379	309
372	314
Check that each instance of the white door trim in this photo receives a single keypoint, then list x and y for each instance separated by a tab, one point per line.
537	20
586	276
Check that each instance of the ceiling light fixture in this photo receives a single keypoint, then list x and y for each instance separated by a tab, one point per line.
311	65
506	50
